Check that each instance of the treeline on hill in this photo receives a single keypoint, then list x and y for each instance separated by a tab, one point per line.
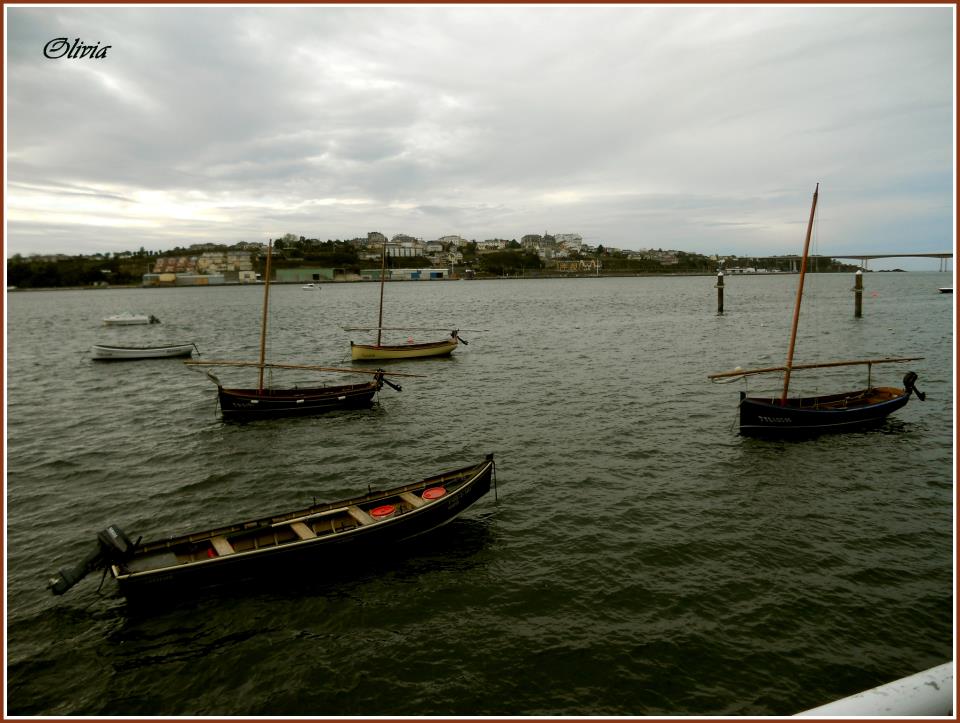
290	252
342	255
35	272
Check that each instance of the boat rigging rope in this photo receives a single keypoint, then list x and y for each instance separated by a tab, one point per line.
729	380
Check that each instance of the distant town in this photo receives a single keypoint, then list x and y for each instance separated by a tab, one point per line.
298	259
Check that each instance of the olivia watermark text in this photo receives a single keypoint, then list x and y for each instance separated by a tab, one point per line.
63	48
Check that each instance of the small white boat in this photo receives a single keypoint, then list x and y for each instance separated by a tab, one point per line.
126	319
106	352
311	287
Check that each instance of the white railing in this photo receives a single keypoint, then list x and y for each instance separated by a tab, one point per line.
929	693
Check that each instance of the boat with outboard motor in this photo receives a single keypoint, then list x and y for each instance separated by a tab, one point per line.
786	415
264	401
325	534
841	412
410	350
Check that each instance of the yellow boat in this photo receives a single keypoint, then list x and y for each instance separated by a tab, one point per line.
410	350
360	352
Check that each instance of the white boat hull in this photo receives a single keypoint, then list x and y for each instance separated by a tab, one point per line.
129	319
104	352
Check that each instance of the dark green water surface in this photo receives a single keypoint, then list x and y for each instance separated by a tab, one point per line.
641	558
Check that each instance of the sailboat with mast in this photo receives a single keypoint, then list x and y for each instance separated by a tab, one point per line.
786	415
373	352
264	401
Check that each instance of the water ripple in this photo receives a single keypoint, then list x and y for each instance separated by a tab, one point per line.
640	558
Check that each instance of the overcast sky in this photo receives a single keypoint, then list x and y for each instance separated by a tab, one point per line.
703	129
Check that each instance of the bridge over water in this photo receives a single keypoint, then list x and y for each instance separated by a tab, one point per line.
944	256
864	258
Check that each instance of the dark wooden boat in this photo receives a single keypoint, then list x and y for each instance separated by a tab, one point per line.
322	535
827	413
785	415
262	402
259	403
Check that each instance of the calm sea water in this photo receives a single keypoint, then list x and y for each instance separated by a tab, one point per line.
641	558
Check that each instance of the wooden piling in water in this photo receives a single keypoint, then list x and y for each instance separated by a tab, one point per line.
720	292
858	294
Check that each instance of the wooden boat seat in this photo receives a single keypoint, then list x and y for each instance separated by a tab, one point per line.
359	515
222	545
303	531
311	516
163	558
412	499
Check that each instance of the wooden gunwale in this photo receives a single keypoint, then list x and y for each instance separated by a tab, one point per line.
832	402
464	475
409	328
410	347
298	393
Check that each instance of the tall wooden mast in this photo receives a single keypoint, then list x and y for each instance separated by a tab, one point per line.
263	322
796	308
383	265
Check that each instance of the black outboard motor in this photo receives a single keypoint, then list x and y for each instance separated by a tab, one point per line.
112	546
909	385
380	378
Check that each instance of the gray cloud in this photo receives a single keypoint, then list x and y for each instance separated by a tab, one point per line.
702	129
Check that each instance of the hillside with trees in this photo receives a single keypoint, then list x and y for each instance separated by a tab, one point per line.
352	256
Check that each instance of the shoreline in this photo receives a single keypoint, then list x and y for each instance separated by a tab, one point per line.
537	277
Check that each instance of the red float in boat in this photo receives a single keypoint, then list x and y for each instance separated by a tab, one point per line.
434	493
383	512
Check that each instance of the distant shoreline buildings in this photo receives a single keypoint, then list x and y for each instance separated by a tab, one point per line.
298	259
563	251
